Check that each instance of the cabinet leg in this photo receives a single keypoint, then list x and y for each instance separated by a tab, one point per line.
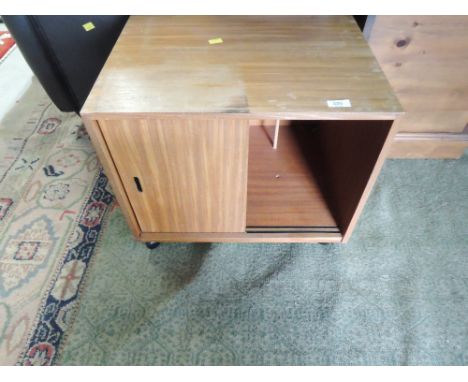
152	244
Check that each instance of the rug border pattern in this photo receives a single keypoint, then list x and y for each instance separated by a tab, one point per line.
47	333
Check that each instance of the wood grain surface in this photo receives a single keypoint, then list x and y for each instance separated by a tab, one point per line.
351	156
283	186
425	59
105	157
192	174
435	148
294	237
267	66
433	122
174	115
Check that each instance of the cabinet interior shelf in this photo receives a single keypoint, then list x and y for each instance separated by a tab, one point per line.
301	185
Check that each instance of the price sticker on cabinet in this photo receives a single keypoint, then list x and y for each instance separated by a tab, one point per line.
339	103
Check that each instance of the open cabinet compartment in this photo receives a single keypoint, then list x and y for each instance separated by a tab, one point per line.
314	180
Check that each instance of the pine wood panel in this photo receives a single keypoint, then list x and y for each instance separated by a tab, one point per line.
435	148
425	59
193	173
433	122
267	66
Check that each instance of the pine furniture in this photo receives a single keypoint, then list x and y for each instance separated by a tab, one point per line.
425	59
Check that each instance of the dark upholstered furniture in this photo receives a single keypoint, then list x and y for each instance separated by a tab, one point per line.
63	55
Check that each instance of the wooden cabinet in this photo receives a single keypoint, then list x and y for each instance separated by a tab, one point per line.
425	59
185	128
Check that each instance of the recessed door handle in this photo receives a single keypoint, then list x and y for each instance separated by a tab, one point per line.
137	183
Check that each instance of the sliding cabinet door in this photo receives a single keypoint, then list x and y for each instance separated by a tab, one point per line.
182	175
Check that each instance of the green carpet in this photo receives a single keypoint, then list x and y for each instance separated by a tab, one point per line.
397	294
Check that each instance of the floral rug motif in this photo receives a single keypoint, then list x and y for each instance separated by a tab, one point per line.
53	203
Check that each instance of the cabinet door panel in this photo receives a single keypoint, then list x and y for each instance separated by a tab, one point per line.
182	175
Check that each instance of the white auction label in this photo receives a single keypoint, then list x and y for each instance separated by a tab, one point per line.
339	103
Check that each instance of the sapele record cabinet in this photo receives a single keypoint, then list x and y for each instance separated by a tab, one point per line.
184	117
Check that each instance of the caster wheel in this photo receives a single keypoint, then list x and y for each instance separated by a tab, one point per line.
152	244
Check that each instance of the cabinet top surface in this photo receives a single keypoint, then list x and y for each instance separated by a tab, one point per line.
278	66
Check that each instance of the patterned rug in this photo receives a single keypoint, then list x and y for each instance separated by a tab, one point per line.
53	202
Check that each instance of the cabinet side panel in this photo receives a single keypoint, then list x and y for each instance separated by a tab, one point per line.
353	155
105	158
182	175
